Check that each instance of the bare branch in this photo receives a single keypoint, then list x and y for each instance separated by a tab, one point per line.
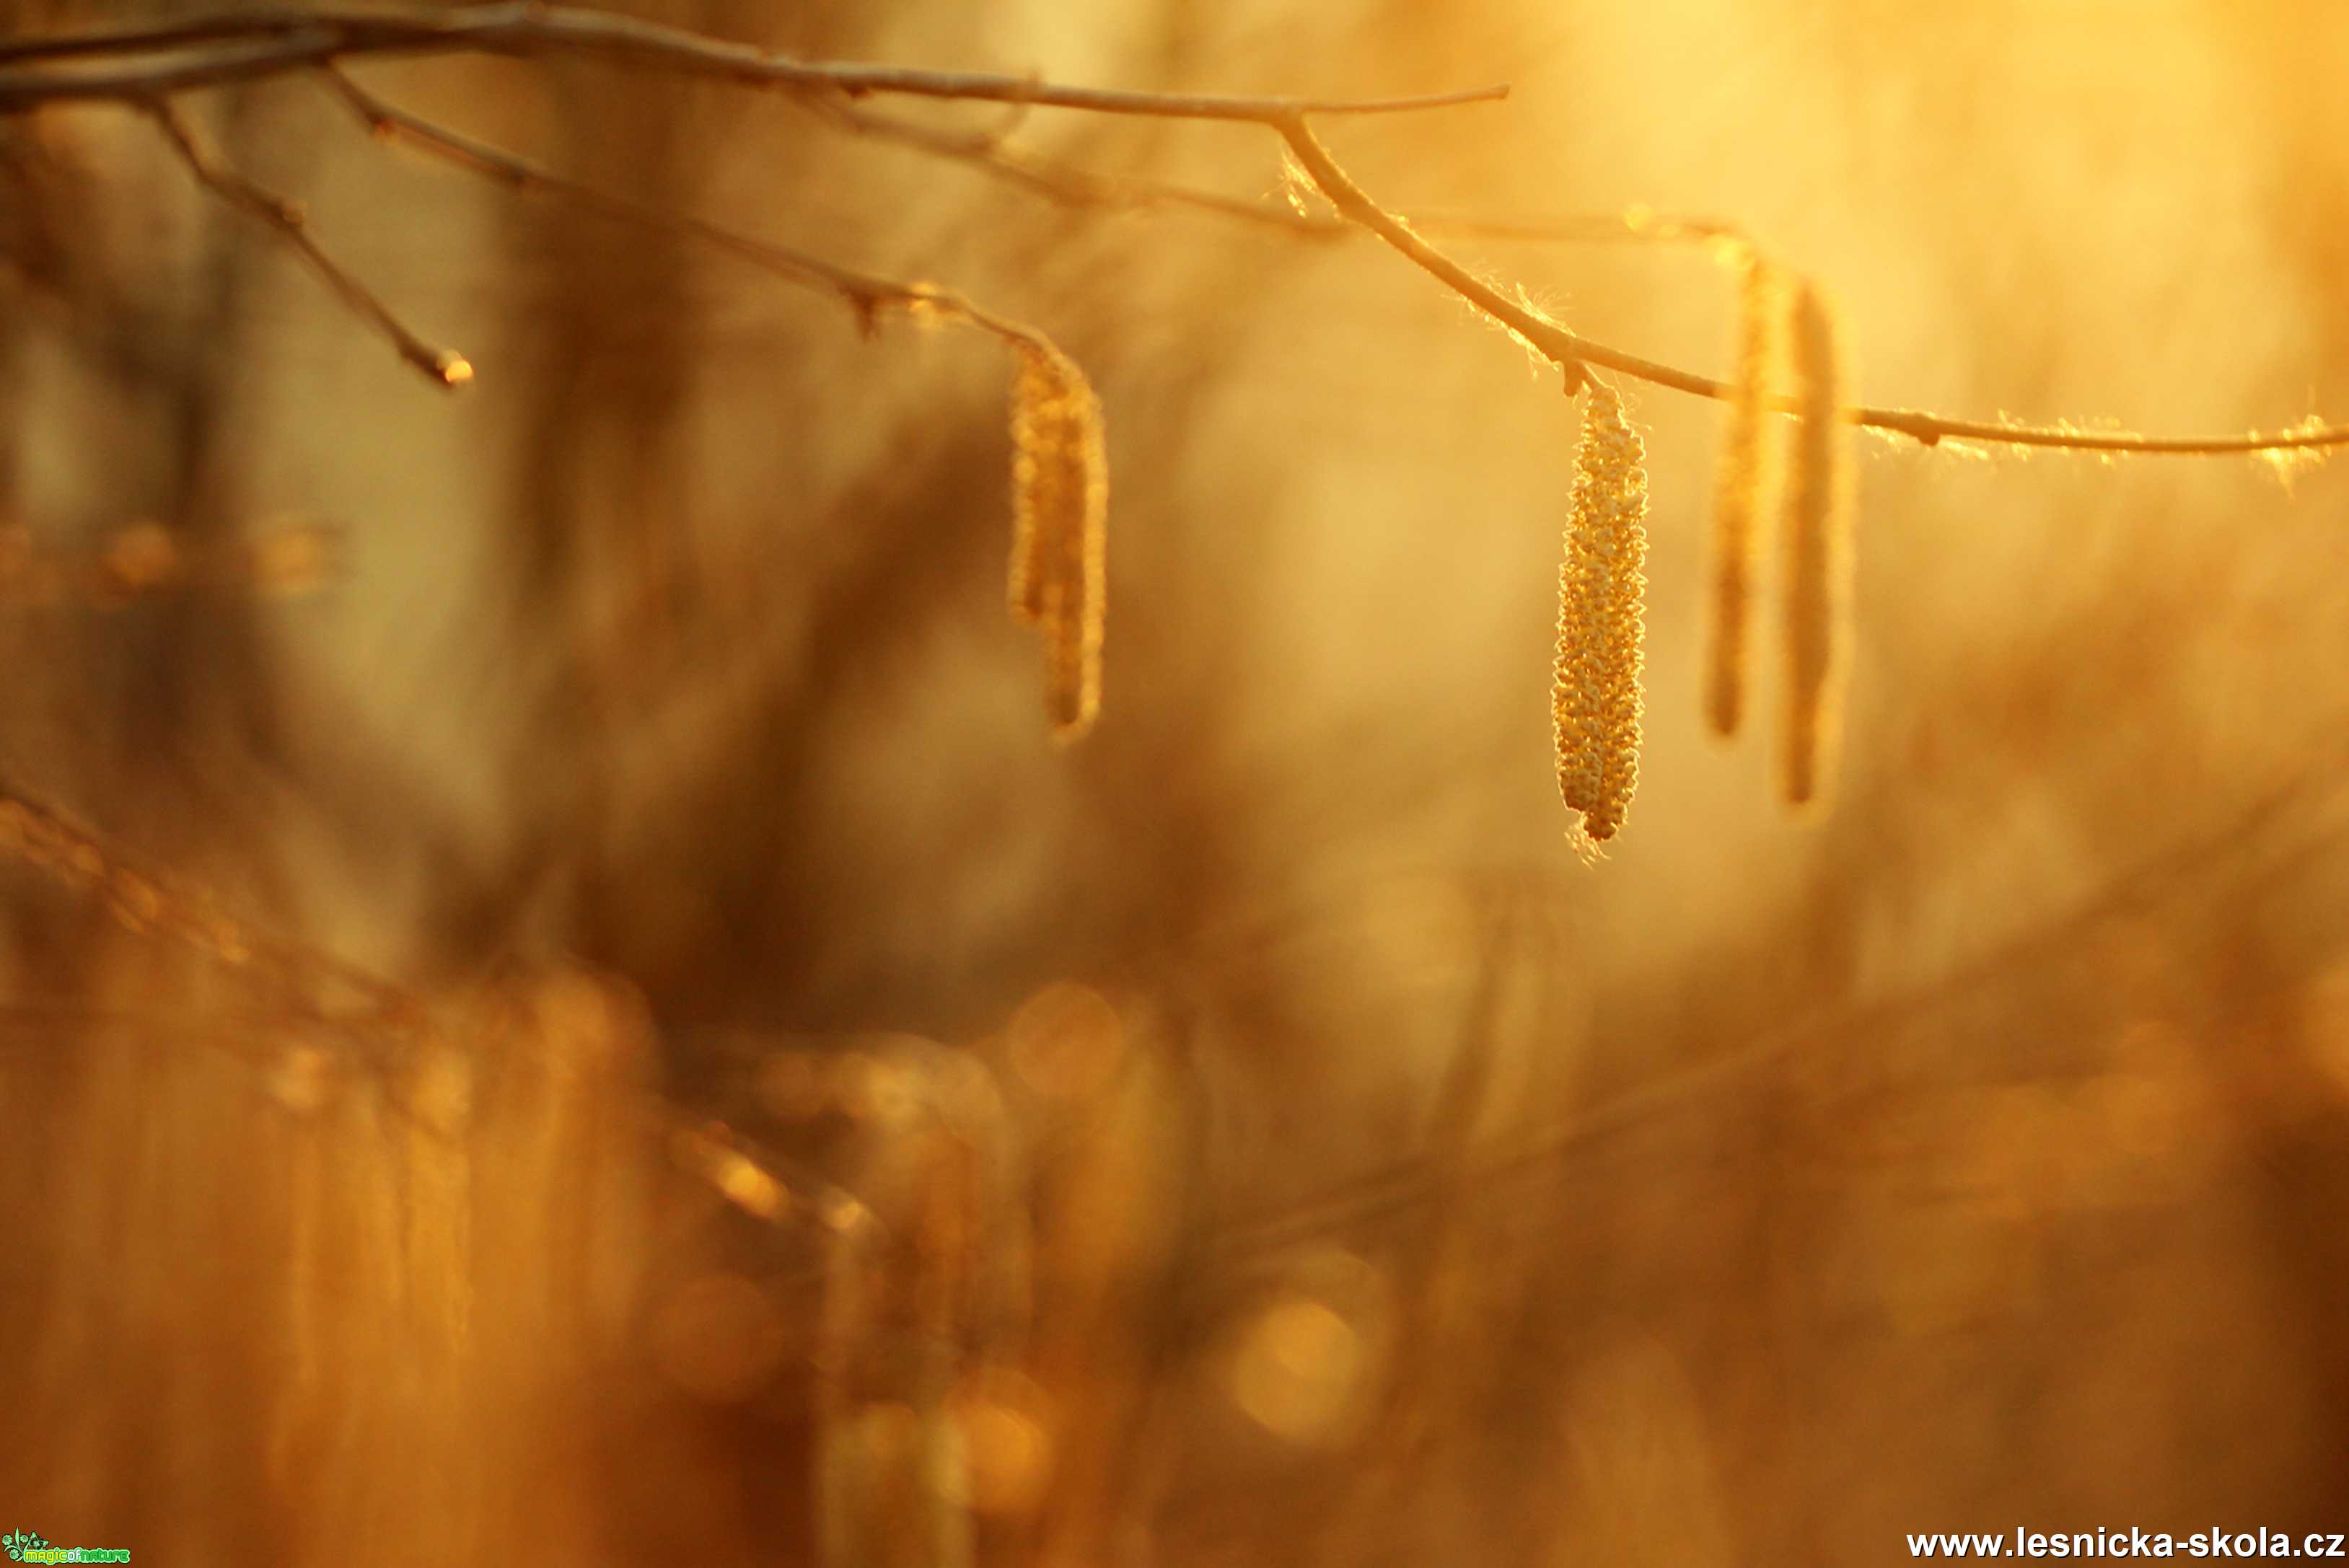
866	293
149	901
1570	351
1636	226
1069	185
258	22
146	560
217	51
1064	184
446	367
1544	336
147	64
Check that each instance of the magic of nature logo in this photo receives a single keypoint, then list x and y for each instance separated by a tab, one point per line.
30	1546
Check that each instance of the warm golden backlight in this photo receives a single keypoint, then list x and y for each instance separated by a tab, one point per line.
718	1337
1296	1370
560	1003
1066	1043
1006	1440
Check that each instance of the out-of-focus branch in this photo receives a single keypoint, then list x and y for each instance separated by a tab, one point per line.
148	560
147	900
219	51
444	366
1357	215
1063	184
147	66
864	293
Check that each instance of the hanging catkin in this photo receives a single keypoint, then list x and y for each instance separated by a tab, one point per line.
1595	703
1818	555
1059	499
1745	480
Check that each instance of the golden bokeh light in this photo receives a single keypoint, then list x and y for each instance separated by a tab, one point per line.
441	1091
301	1077
142	557
1066	1042
1005	1420
607	1031
292	560
1296	1370
877	1091
750	1189
793	1085
718	1338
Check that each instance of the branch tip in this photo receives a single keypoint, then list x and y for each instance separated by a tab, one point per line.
145	68
287	219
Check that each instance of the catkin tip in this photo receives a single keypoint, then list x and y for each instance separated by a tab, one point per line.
1817	555
1596	701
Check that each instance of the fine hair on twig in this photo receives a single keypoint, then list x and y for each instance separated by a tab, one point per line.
151	66
1059	492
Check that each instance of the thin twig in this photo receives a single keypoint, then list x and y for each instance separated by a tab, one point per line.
1069	185
2275	826
1552	341
146	65
865	292
445	367
218	51
1063	184
148	901
1570	351
258	22
1638	225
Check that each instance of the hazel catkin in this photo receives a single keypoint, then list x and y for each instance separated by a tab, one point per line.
1596	701
1745	483
1817	590
1059	500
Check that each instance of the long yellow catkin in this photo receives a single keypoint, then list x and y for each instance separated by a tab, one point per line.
1745	481
1059	506
1595	703
1818	555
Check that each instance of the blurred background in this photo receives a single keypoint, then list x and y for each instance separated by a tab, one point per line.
827	1122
